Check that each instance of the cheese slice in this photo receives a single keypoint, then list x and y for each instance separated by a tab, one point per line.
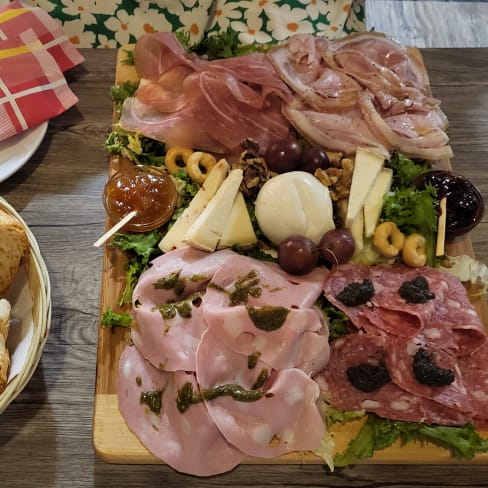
374	201
367	166
174	237
441	229
206	231
238	228
357	231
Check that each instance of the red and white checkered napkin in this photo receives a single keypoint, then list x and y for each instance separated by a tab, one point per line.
34	52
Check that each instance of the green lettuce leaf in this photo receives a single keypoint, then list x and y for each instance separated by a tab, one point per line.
378	433
412	211
114	319
140	249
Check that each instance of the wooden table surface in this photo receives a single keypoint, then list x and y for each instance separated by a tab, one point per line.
46	433
430	23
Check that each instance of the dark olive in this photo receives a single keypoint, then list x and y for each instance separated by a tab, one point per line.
313	158
284	155
465	205
337	246
297	255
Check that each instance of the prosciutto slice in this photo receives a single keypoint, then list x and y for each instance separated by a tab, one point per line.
284	419
157	53
189	442
364	90
201	104
331	80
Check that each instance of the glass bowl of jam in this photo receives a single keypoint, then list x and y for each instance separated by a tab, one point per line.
148	190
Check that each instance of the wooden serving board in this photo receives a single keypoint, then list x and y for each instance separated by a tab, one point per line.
115	443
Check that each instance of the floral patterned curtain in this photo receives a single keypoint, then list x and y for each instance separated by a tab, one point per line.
111	23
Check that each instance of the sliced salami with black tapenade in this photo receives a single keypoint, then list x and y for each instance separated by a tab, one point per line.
420	331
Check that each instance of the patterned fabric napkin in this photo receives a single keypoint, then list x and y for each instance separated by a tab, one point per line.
34	52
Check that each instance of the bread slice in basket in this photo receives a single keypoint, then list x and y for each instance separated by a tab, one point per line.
5	311
14	246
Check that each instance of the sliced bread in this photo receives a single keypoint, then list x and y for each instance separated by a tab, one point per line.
14	245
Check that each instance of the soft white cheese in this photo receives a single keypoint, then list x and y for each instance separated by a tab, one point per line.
174	237
294	203
367	165
206	231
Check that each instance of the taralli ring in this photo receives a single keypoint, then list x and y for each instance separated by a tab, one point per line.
388	239
177	158
414	253
199	165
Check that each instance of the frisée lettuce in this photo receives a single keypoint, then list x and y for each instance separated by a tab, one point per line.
379	433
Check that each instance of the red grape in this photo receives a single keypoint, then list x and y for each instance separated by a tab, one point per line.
337	246
297	255
313	158
283	156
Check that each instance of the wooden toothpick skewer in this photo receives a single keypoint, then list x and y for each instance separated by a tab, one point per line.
115	228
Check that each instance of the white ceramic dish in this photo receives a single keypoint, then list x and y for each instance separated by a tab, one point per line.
17	150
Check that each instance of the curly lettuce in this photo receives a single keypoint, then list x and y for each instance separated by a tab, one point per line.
378	433
412	211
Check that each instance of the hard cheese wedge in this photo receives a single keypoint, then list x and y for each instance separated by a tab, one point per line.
357	231
441	229
174	237
367	166
238	228
206	231
374	201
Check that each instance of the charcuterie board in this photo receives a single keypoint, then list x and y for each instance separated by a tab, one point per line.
115	443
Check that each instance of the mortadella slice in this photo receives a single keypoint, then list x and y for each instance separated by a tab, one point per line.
284	419
189	442
166	307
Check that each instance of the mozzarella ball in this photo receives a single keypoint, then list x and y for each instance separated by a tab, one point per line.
294	203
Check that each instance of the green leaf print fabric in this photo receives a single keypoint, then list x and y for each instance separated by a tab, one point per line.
112	23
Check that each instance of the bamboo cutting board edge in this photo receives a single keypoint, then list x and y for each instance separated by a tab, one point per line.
113	442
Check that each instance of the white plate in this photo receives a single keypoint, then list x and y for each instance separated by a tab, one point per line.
17	150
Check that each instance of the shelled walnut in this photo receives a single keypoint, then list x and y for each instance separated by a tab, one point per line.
338	177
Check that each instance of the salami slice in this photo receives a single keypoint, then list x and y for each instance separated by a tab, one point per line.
474	369
284	419
340	277
388	401
400	359
459	314
189	442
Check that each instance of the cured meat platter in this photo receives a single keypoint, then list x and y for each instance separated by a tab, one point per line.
113	440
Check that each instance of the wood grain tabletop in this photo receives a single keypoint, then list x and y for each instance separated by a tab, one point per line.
430	23
46	433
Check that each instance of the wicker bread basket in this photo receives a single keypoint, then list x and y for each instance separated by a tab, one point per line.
40	290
